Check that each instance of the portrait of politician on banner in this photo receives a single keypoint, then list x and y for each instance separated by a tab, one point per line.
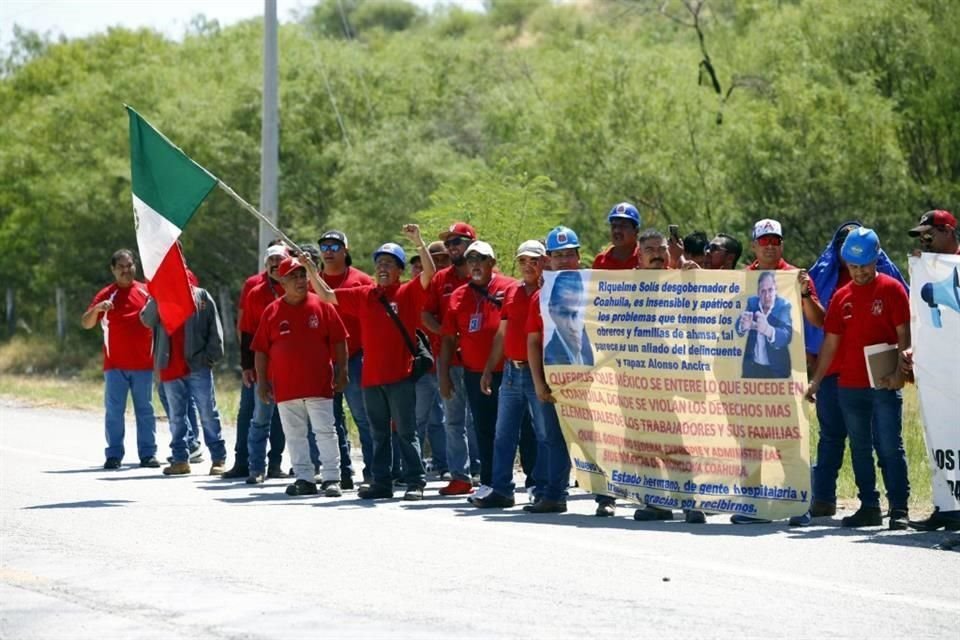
768	326
563	306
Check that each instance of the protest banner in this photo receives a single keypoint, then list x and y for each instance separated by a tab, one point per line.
935	333
682	389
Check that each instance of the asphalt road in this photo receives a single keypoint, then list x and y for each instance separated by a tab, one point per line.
88	553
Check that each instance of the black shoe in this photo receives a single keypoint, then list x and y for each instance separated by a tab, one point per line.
375	491
302	488
112	463
649	514
605	510
493	500
864	517
821	509
346	481
150	463
547	506
255	478
694	516
413	493
938	520
236	472
276	472
898	519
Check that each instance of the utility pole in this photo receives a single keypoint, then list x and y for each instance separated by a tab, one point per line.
270	130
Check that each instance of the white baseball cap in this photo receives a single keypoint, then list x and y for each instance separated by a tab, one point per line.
532	248
275	250
481	247
767	227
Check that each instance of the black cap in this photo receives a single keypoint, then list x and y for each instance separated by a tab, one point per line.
340	237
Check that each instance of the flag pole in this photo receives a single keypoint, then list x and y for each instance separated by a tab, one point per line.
249	207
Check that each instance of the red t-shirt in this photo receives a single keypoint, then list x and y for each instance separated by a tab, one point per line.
515	310
865	315
177	363
349	278
534	319
606	260
298	340
442	286
783	265
386	358
475	319
127	344
250	283
257	299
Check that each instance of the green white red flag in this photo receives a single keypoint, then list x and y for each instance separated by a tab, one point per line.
168	187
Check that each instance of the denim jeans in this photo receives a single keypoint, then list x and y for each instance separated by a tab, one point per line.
430	420
181	394
484	410
316	416
456	416
260	426
396	402
553	459
193	424
117	382
518	400
874	420
244	414
833	440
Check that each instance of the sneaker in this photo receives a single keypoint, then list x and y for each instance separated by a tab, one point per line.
605	510
346	480
493	500
331	489
949	520
547	506
255	478
150	463
413	493
475	479
457	488
899	519
375	491
235	472
649	514
483	491
821	509
112	463
742	519
196	455
446	476
177	469
302	488
398	482
276	472
801	521
217	467
864	517
694	516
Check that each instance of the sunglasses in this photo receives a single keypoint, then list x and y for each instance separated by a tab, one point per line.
710	248
769	241
454	242
333	246
475	258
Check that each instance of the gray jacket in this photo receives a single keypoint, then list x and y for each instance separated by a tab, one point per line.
203	334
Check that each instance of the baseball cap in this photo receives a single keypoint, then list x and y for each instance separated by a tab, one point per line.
436	247
275	250
935	218
532	248
288	266
481	247
461	229
339	236
767	227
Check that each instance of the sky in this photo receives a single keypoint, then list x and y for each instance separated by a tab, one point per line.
78	18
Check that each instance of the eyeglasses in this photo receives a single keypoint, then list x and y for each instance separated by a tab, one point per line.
710	248
454	242
770	241
333	246
475	258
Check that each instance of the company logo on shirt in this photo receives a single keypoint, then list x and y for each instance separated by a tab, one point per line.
447	289
847	310
313	321
284	328
877	308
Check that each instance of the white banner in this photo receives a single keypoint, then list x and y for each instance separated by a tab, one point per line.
935	329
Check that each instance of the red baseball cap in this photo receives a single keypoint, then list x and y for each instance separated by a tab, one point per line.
288	266
935	218
461	229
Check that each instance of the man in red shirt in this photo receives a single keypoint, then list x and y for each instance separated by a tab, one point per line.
301	361
338	272
127	360
622	253
937	233
461	435
873	308
389	393
471	321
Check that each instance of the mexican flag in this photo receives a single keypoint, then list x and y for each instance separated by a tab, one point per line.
167	189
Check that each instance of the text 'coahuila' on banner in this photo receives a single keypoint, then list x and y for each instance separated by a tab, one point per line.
682	389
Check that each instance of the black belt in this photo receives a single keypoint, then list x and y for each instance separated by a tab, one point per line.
519	364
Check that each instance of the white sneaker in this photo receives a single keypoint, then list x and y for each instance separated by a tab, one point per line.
482	491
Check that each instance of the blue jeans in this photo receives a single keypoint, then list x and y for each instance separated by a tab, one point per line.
181	394
193	424
260	423
553	459
833	440
353	394
874	420
430	420
518	398
117	382
396	402
461	440
242	447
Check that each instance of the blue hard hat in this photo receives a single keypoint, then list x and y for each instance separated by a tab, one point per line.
394	250
626	211
562	238
861	247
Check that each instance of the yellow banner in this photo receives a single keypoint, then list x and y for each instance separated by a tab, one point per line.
682	389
